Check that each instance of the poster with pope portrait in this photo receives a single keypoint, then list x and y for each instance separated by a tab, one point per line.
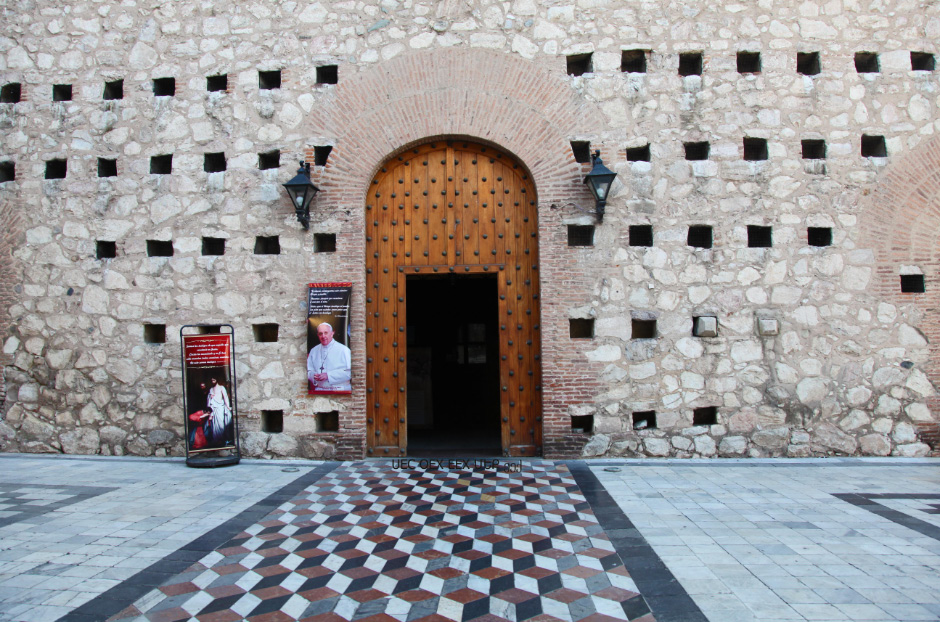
329	362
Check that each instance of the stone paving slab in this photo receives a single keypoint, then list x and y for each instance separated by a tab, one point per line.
787	541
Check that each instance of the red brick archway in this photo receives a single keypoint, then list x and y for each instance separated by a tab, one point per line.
900	222
526	109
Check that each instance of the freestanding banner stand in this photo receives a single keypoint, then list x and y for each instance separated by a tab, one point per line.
209	396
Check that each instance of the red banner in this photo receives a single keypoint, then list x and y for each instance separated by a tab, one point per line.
207	350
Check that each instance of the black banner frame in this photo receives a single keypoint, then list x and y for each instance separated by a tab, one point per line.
341	326
203	458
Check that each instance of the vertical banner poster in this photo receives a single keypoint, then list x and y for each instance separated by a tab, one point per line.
207	377
329	364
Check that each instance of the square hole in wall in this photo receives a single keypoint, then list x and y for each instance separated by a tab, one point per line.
579	64
633	61
11	93
214	84
268	80
748	62
321	154
213	246
113	90
582	424
161	164
913	284
874	146
61	92
691	64
154	333
269	160
272	421
922	61
164	87
759	236
209	329
706	415
267	245
265	333
700	236
327	74
644	420
328	421
580	235
214	162
641	235
159	248
105	249
56	169
581	150
696	151
643	329
324	242
107	167
819	236
813	149
638	154
580	328
704	326
807	63
7	171
755	149
866	62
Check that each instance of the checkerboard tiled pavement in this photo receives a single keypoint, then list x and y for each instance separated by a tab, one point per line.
369	543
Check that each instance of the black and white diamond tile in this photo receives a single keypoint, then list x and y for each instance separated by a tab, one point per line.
30	502
366	542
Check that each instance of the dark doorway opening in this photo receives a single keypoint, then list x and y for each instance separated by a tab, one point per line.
453	366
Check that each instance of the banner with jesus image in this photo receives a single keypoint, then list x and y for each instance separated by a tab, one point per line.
329	362
208	386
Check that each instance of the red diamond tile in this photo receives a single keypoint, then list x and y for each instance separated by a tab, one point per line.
400	574
446	573
221	591
178	588
491	573
513	554
581	571
465	595
565	595
169	615
358	573
364	596
320	593
536	572
413	596
270	571
515	595
226	615
268	593
615	594
314	571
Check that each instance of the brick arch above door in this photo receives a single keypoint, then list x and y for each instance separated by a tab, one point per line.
900	222
522	106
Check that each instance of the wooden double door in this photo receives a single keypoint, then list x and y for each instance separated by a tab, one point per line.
456	209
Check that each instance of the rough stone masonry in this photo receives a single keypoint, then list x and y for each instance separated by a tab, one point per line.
797	317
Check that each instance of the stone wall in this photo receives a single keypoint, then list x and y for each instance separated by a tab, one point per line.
848	370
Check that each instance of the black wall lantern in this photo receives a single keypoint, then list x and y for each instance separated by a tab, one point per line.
301	191
598	182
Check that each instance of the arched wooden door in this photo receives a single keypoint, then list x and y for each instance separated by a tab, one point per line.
456	207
